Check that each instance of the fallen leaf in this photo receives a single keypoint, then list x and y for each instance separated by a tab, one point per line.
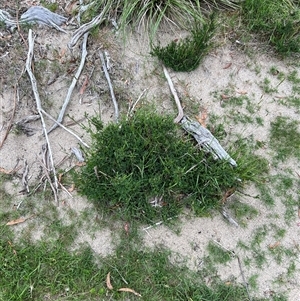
273	246
62	54
129	290
12	246
72	188
60	175
227	194
242	92
84	85
202	118
8	172
227	66
16	221
224	96
126	228
108	283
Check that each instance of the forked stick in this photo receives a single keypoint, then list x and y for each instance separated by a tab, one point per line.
173	91
38	104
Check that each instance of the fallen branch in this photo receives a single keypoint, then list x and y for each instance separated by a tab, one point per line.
206	139
227	216
202	135
45	165
233	254
243	277
71	88
176	98
38	103
35	14
110	86
25	176
85	28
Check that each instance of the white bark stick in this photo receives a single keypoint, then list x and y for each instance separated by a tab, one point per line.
71	88
66	129
110	86
38	104
174	93
85	28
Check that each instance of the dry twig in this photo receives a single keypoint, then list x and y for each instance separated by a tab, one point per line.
175	95
110	86
66	129
132	107
39	106
74	81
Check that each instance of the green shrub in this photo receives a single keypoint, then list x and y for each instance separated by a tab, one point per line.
145	158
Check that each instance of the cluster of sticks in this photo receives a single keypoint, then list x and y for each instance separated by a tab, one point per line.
43	16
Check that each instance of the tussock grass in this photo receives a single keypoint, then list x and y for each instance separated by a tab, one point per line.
149	14
186	55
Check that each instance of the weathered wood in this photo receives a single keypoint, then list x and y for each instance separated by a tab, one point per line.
202	135
39	108
110	86
85	28
206	139
73	84
35	14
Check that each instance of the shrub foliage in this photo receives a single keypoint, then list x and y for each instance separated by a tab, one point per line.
144	159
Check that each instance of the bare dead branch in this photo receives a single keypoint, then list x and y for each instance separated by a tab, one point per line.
202	135
175	95
38	104
85	28
74	81
110	86
35	14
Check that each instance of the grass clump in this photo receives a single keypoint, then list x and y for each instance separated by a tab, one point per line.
144	168
285	138
276	21
148	14
186	55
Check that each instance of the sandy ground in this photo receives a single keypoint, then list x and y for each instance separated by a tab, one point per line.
227	71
